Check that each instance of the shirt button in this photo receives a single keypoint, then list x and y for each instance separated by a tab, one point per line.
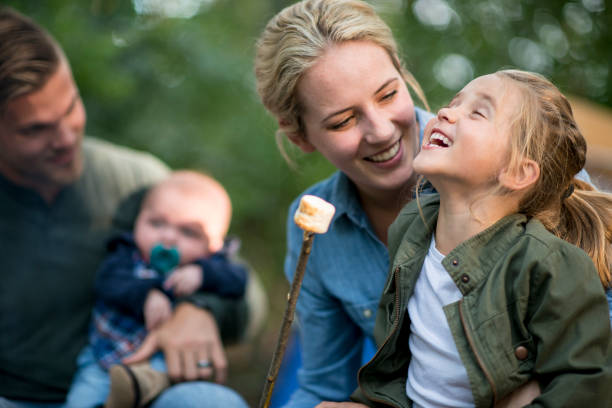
367	313
455	262
521	352
465	278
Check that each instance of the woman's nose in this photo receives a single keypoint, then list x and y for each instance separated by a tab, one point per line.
379	128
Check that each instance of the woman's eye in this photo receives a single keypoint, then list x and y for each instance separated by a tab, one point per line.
389	95
340	125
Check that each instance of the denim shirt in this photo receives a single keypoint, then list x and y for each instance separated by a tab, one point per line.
344	279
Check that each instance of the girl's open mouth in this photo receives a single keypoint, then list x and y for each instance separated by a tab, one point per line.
437	139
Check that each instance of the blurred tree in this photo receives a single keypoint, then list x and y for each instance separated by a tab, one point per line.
183	88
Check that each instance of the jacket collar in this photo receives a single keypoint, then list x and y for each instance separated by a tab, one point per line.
470	262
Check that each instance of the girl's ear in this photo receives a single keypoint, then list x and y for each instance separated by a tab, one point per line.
524	176
298	139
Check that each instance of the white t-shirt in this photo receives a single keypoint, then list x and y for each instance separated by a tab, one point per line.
436	375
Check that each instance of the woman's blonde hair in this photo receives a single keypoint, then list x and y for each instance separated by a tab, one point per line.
545	131
293	40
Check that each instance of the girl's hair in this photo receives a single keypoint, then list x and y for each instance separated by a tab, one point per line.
293	40
545	131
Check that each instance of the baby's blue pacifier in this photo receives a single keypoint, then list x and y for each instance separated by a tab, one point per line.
164	259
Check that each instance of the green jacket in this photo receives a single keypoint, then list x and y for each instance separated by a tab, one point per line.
532	307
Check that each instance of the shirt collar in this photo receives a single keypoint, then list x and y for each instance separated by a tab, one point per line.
346	200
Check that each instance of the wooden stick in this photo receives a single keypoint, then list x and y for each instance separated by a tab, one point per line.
313	216
292	297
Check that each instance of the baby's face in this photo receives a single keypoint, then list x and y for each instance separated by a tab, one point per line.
174	218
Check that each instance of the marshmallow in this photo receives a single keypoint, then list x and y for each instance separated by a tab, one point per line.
314	214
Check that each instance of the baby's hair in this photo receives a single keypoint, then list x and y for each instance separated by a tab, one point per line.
545	131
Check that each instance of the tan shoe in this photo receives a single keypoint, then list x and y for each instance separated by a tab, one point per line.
135	385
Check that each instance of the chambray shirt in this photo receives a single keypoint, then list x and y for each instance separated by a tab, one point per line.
344	279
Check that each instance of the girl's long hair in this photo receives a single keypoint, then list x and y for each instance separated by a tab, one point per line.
546	132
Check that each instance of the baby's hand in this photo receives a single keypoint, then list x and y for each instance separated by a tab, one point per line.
157	309
185	280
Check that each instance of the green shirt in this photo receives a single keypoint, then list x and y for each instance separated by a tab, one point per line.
48	257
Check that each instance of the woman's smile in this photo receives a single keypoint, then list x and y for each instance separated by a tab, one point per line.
387	154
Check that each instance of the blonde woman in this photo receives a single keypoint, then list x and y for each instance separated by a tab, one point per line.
329	72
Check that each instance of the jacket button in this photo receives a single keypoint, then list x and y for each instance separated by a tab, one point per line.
465	278
367	313
521	352
455	262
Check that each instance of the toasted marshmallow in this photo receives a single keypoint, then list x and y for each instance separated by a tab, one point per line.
314	214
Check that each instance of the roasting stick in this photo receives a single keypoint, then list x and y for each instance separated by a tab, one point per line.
313	216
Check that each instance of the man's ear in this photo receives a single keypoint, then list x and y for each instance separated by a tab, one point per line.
298	139
524	176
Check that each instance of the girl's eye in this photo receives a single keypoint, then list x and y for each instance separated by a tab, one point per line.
340	125
389	95
479	113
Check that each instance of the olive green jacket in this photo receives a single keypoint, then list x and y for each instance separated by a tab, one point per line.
532	308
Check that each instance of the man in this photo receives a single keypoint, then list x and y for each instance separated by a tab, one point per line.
61	197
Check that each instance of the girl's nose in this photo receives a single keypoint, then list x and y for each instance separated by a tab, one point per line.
447	114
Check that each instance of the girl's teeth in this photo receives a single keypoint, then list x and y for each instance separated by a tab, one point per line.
386	155
443	140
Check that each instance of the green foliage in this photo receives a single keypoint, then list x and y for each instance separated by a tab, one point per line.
183	88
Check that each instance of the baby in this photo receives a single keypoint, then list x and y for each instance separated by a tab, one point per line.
176	249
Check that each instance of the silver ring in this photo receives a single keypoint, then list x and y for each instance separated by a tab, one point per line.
204	364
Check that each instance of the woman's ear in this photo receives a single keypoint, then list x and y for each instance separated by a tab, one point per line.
522	177
298	139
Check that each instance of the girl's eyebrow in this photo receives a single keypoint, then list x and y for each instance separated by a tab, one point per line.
383	86
488	98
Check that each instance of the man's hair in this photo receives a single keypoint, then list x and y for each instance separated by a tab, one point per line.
28	56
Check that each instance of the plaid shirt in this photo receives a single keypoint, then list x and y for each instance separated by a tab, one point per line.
113	335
